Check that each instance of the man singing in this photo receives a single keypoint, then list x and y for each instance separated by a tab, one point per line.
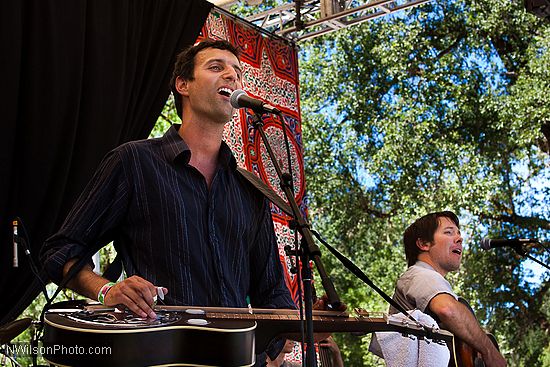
179	213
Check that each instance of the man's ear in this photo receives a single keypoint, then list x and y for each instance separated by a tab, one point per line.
422	245
182	86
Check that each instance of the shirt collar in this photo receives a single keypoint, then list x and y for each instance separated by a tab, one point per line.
424	265
175	149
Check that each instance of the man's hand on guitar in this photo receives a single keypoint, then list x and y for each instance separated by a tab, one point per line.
323	304
136	293
494	359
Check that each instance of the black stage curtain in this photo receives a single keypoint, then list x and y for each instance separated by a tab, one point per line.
79	78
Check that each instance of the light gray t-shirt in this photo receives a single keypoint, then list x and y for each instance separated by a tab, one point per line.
418	285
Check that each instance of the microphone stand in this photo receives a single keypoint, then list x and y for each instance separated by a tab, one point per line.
520	250
309	250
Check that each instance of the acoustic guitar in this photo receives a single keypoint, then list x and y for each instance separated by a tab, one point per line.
80	334
464	355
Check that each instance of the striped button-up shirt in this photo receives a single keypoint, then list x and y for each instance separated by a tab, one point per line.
208	247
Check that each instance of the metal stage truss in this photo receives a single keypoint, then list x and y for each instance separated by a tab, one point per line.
304	20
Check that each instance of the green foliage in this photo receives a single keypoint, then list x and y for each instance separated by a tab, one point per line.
545	357
245	9
442	107
167	117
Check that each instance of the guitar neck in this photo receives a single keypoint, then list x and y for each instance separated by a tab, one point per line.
288	323
288	320
259	312
274	322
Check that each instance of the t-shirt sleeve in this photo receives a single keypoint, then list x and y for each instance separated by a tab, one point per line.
420	287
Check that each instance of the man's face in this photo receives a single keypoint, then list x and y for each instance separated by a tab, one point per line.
217	74
445	252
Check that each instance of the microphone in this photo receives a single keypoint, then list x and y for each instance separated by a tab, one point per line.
488	243
15	249
239	99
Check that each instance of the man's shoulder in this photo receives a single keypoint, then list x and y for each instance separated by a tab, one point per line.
142	144
419	285
137	148
419	269
418	272
422	276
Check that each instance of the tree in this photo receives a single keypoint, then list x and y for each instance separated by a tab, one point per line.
442	107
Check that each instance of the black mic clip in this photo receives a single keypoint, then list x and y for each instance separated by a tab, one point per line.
287	181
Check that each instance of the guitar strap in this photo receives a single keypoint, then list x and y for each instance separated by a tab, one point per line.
265	190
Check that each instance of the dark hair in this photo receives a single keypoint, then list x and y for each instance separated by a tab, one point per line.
185	64
423	229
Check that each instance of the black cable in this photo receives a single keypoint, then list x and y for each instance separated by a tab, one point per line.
24	240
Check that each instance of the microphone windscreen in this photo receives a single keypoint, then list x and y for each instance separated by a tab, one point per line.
234	99
486	243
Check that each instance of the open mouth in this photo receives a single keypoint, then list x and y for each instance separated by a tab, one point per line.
225	91
457	251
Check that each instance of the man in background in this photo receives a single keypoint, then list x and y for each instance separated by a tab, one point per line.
433	247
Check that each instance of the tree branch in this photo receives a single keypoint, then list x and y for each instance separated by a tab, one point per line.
519	220
448	49
167	118
364	203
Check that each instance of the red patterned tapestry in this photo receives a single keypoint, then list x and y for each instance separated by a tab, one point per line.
270	73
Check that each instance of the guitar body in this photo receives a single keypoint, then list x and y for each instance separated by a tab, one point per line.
78	334
464	354
220	343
